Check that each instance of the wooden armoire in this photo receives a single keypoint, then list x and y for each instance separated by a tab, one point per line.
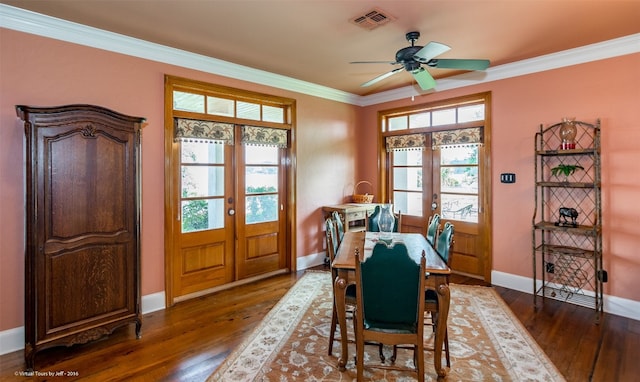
82	266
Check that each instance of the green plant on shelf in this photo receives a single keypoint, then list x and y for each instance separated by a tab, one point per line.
565	169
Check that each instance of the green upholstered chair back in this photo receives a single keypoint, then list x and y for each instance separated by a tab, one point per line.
332	240
432	228
372	221
390	282
445	239
337	221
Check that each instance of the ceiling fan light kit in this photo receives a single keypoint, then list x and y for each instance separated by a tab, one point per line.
412	57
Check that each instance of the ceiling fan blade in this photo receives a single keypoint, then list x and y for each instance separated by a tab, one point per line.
459	64
424	79
429	51
382	77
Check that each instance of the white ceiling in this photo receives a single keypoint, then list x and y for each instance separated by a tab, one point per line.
315	41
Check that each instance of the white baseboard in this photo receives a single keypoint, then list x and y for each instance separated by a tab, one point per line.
310	261
153	302
612	304
11	340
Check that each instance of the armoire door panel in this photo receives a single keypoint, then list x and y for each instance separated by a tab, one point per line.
72	171
99	287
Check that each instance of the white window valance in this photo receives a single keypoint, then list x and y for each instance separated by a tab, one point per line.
192	130
458	137
264	136
405	142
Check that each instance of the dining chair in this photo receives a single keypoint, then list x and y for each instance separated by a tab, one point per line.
390	304
371	222
432	229
443	248
350	293
337	221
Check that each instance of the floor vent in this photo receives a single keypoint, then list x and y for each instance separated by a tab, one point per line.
372	19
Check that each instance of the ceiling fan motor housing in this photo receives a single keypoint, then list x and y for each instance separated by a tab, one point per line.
405	57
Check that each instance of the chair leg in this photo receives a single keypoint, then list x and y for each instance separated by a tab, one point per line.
420	362
359	352
332	333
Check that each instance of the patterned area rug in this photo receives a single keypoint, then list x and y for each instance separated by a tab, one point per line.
487	343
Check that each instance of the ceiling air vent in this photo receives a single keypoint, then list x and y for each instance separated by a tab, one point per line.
372	19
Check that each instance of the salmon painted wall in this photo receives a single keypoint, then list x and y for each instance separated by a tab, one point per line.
609	90
45	72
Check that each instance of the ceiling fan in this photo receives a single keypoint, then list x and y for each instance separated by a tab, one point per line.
412	57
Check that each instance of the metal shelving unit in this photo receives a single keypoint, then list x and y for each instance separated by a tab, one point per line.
567	245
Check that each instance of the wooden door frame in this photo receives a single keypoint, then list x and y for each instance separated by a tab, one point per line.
485	193
171	167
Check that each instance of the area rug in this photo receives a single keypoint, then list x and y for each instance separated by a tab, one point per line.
487	343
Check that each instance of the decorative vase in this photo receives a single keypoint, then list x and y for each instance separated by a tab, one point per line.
568	133
387	219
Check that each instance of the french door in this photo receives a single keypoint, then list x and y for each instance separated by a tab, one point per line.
261	214
437	162
226	180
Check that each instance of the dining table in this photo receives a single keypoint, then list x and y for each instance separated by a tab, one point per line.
436	272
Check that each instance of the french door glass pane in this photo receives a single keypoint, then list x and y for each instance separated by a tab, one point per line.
409	203
200	152
407	158
460	207
261	155
407	178
459	183
260	179
202	214
261	208
199	181
459	155
407	182
459	179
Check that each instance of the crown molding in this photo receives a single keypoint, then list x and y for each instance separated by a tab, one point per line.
46	26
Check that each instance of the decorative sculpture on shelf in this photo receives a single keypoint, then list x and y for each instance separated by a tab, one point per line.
567	213
568	133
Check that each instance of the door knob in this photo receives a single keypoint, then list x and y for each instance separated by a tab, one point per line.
231	212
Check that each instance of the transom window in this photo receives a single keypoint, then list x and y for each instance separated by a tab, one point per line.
227	107
433	117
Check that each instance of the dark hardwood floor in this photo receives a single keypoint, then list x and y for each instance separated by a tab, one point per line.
188	341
